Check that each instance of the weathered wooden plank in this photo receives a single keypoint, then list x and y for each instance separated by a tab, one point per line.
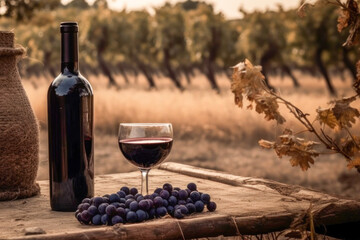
245	206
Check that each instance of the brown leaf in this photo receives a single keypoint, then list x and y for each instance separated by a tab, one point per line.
351	146
326	116
343	19
354	163
352	21
268	105
266	144
356	85
300	151
304	7
345	115
248	81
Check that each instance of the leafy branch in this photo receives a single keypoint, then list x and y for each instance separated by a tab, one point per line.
249	82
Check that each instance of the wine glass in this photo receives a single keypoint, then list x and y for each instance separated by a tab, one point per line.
145	145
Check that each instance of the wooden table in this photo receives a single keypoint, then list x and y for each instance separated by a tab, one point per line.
245	206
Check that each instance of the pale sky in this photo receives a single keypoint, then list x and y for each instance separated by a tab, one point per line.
228	7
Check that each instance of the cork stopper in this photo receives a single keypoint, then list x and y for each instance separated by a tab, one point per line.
7	39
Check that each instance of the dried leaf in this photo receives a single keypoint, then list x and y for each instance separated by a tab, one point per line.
356	85
343	19
350	146
268	105
354	163
327	117
248	81
302	152
345	115
266	144
352	20
303	8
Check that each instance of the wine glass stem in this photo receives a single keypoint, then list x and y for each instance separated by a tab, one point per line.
144	181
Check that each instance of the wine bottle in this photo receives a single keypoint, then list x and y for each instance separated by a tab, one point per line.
70	128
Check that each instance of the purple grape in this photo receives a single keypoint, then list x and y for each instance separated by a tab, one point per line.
122	200
176	188
152	213
121	194
133	191
158	190
110	210
96	220
77	212
165	203
84	206
178	214
151	202
102	208
205	198
211	206
164	194
189	200
191	207
121	212
134	206
161	211
144	205
85	216
129	196
116	219
92	210
127	210
116	204
188	191
158	202
183	209
125	189
181	202
141	215
195	196
199	205
139	198
170	210
172	201
191	186
175	193
97	201
154	195
122	205
106	196
131	217
106	199
183	194
86	200
105	219
168	187
127	203
79	207
78	217
137	195
147	197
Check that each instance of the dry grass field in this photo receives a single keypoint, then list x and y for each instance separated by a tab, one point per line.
209	130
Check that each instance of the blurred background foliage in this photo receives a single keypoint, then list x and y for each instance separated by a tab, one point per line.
179	39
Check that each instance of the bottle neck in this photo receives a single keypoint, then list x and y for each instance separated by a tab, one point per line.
69	52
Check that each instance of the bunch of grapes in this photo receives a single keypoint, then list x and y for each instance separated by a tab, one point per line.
129	206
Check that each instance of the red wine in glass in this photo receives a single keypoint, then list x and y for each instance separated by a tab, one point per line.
145	145
146	152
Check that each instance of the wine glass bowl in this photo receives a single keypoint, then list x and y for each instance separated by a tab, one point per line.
145	145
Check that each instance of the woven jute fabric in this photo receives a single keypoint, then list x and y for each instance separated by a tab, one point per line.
19	132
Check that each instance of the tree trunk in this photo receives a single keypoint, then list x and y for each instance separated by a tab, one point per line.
348	64
146	73
170	71
210	74
323	71
264	62
104	68
288	71
123	73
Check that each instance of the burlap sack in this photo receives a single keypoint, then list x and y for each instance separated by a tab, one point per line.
19	133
